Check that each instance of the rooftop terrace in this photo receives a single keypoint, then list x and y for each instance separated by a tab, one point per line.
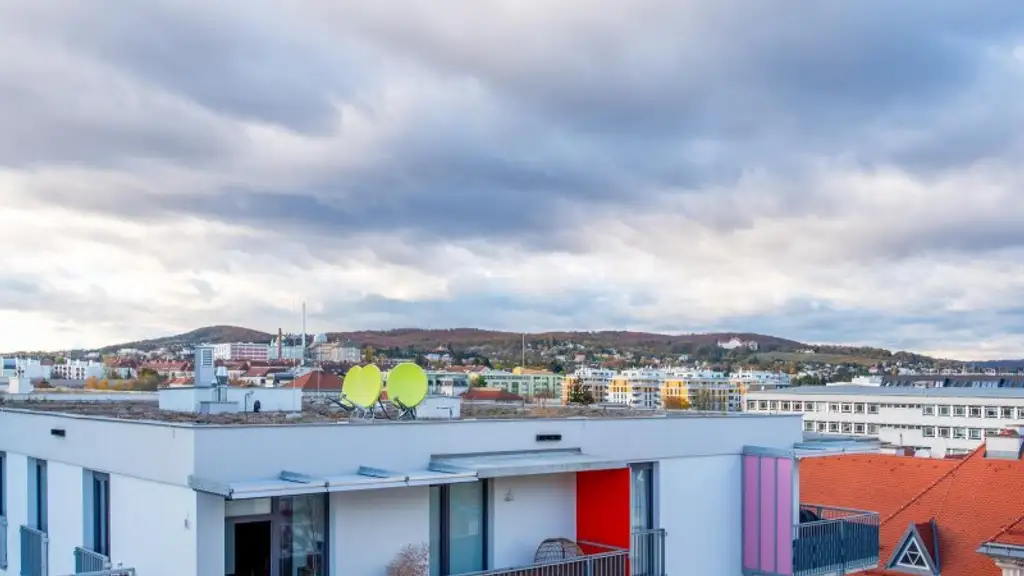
145	408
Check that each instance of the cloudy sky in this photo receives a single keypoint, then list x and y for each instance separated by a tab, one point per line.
832	171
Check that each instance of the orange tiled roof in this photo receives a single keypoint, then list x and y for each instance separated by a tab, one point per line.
317	380
972	500
1012	535
495	394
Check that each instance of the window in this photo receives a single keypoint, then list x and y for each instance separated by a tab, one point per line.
928	431
847	428
974	433
833	407
762	405
833	427
821	427
1006	412
912	557
458	520
928	410
3	485
808	406
943	432
808	426
1020	413
858	408
291	532
847	408
751	405
785	406
97	509
959	433
37	492
943	410
974	412
858	428
959	411
872	408
873	429
991	412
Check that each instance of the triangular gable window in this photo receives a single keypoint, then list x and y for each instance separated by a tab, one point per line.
912	557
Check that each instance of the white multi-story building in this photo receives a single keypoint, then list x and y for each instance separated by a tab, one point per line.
760	379
206	496
241	351
597	381
528	383
940	421
78	370
639	388
30	368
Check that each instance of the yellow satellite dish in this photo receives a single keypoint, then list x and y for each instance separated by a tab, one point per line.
367	387
351	379
407	385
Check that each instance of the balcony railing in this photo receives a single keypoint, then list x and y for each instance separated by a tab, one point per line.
607	561
88	561
3	543
647	553
35	550
833	540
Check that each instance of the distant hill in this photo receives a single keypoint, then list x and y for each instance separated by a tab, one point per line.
208	334
998	364
473	337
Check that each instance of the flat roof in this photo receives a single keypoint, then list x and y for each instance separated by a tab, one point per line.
857	390
117	408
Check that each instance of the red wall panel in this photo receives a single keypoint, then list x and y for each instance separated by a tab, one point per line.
603	507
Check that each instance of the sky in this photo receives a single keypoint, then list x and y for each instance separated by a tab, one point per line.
835	171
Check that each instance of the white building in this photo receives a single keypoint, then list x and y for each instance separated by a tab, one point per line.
735	342
937	421
760	379
24	368
670	495
241	351
78	370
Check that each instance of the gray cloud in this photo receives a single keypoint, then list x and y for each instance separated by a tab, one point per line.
660	147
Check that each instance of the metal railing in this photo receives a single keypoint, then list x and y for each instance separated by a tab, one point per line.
832	540
87	561
647	553
35	550
3	543
610	562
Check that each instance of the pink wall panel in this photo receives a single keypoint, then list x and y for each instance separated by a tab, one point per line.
768	522
751	506
784	516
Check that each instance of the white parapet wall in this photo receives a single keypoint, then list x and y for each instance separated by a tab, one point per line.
188	399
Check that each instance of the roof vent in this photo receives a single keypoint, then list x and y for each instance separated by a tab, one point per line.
1006	445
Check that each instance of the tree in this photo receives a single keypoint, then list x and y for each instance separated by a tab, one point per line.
580	394
478	381
411	561
368	355
556	367
677	403
706	400
421	360
544	394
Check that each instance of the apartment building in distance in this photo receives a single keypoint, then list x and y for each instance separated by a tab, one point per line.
528	383
673	387
247	351
235	494
78	370
937	421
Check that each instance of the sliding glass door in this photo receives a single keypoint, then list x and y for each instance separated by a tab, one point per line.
458	528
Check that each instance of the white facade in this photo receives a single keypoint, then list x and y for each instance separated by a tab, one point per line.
241	351
77	370
167	517
940	421
24	367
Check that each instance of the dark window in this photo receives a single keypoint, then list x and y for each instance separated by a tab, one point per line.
458	528
37	487
101	513
3	484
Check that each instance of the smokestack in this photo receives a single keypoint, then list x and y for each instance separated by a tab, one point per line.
280	344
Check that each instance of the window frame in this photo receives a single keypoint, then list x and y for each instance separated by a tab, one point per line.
445	520
99	483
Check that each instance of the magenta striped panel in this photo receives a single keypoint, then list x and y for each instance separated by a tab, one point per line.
751	505
784	527
768	520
